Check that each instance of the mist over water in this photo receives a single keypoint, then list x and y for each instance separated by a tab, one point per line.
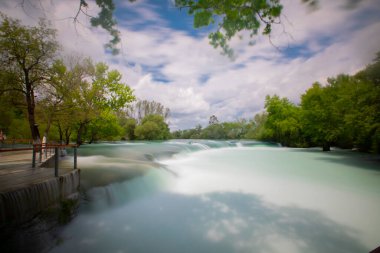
219	196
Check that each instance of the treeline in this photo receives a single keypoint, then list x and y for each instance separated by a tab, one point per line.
69	99
345	112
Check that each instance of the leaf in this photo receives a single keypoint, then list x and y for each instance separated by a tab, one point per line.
202	18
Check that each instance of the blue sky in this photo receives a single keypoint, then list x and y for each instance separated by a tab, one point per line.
164	59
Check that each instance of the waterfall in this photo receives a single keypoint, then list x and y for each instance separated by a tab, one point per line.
23	204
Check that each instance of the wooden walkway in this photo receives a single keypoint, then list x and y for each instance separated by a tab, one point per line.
16	170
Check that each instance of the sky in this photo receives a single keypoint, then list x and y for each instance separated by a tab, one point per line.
163	58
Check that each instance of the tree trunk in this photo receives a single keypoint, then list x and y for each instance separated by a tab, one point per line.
47	129
67	135
60	133
79	133
326	146
30	104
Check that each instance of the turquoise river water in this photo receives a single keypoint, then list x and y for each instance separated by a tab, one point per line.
224	196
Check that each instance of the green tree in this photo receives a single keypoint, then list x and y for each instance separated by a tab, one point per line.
320	116
236	129
105	92
27	54
213	131
142	108
129	129
104	127
152	127
283	121
94	90
256	127
359	111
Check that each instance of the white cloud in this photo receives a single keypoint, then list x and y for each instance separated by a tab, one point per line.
191	78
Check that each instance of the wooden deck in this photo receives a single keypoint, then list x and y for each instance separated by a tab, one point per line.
16	170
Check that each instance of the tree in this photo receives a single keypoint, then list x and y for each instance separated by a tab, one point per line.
320	117
213	131
283	121
94	91
358	107
26	55
153	127
143	108
213	120
256	127
104	127
129	129
105	92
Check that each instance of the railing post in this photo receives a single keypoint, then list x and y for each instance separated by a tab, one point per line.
40	148
56	160
75	158
34	157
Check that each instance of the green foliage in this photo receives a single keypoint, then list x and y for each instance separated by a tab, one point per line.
202	18
320	118
142	108
283	121
232	17
104	127
228	17
107	88
129	129
215	130
256	127
345	112
27	54
153	127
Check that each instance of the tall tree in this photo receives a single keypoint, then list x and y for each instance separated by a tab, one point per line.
26	54
320	117
283	121
143	108
102	90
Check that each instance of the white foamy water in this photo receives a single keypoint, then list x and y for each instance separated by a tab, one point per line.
231	197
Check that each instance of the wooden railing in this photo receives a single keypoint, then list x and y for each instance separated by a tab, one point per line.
47	150
50	148
14	141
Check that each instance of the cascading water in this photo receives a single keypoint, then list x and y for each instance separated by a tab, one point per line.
21	205
223	196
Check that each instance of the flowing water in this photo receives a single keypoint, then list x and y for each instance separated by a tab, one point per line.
219	196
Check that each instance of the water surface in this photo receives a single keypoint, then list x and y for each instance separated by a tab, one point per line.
219	196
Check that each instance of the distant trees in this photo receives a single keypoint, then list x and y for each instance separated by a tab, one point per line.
142	108
145	120
215	130
345	112
152	127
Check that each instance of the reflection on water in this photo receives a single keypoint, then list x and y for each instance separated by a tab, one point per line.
214	196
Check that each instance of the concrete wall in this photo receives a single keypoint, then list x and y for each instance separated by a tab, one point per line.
23	204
